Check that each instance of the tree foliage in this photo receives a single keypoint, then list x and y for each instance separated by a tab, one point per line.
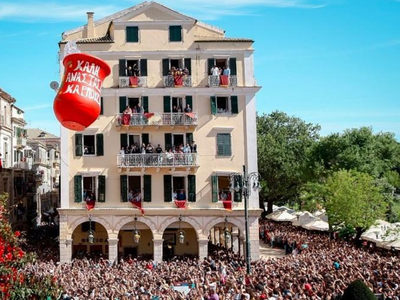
283	146
358	290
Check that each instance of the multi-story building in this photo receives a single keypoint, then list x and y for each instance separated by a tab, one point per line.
146	46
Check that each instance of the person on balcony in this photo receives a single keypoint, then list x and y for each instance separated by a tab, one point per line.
186	71
227	71
181	195
170	157
215	71
188	109
174	195
126	116
143	149
136	71
193	146
149	148
159	149
130	196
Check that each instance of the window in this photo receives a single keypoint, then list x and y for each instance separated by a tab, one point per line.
131	188
224	105
132	34
182	63
88	145
175	33
224	192
133	103
90	188
178	188
224	144
136	67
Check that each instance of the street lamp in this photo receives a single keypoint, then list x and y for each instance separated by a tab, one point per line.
181	233
241	183
136	233
227	234
90	233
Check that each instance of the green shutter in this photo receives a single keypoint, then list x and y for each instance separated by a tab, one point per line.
224	144
124	140
145	138
165	66
145	103
188	65
132	34
101	106
122	67
214	184
167	104
143	67
238	182
168	141
189	100
78	188
167	188
124	188
122	104
192	188
102	188
189	138
234	104
147	188
232	65
213	102
78	144
175	33
210	64
100	144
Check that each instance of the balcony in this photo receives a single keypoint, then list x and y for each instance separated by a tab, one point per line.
157	160
222	81
178	81
23	165
132	82
21	142
157	119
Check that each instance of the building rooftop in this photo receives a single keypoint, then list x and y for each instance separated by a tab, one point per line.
95	40
206	39
6	96
37	133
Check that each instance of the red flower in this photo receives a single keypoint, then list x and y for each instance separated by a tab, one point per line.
17	233
8	256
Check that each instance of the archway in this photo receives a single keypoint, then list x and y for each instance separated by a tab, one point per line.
83	247
174	245
225	236
140	246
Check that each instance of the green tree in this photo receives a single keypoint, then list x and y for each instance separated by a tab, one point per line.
353	199
283	146
358	290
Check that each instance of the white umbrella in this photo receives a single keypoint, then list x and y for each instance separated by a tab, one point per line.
317	224
281	216
303	218
391	244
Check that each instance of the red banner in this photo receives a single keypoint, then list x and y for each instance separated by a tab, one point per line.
224	80
180	203
126	118
148	115
138	205
178	81
90	204
133	81
227	205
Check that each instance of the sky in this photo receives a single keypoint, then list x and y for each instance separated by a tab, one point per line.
331	62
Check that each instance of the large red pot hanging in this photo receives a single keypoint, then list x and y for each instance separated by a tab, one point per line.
77	104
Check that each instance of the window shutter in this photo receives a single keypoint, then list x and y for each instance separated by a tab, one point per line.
122	104
175	33
238	182
168	141
145	138
100	144
122	67
192	188
143	67
167	188
189	100
214	183
147	188
102	188
213	102
132	34
101	106
224	144
78	144
210	64
188	65
189	138
145	103
78	188
167	104
165	66
232	65
227	145
124	140
234	105
124	188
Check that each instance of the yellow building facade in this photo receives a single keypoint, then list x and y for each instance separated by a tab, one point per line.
164	67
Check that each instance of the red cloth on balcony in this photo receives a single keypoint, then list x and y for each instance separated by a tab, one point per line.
90	204
133	81
148	115
138	205
190	115
180	203
126	119
227	205
224	80
178	80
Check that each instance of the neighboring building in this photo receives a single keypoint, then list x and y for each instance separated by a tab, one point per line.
149	40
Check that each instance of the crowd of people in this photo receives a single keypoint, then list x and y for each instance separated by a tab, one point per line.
149	148
178	71
314	268
216	71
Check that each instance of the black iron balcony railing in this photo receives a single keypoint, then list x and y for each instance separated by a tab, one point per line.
177	81
222	81
157	119
157	160
132	82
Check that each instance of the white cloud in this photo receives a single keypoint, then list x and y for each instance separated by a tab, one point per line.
38	107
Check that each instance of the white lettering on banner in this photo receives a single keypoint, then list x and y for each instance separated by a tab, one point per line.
88	68
83	91
84	78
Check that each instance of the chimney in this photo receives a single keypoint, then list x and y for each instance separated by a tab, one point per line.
90	25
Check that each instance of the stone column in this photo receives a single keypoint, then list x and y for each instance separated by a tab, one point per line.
254	239
235	242
158	249
65	250
242	247
203	248
112	249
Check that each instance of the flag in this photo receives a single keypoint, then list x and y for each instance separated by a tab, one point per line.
180	203
138	205
90	204
133	81
224	80
227	205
